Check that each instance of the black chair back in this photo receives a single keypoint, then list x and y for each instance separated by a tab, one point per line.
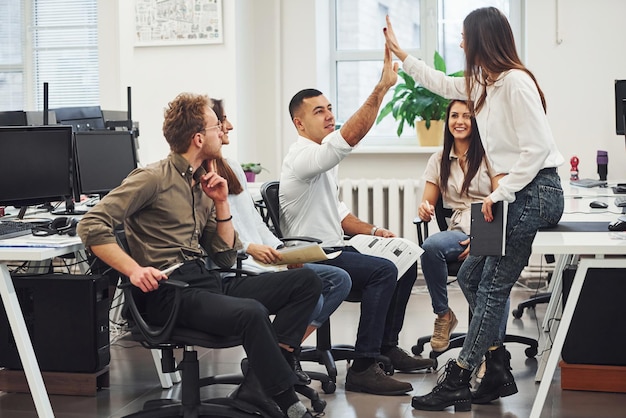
442	214
269	192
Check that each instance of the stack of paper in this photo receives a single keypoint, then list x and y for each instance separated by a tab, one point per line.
300	254
402	252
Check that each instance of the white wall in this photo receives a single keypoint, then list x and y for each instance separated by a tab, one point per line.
270	51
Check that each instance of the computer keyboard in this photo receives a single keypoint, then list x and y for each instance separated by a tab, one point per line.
620	201
12	229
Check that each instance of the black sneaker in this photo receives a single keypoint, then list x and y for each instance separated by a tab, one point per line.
404	362
373	380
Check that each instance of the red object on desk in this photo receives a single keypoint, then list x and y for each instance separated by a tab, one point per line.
573	172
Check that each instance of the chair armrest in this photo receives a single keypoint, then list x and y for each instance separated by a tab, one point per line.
237	271
422	229
305	239
154	334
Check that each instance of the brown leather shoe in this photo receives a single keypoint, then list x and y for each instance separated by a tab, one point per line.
373	380
403	362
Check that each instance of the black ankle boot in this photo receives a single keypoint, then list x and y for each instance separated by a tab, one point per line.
498	381
453	389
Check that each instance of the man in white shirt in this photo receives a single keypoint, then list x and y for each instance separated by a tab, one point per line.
310	206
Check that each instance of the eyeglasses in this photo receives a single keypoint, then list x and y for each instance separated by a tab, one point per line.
218	127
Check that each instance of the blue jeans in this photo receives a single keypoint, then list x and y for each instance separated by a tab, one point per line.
383	298
336	284
439	249
487	281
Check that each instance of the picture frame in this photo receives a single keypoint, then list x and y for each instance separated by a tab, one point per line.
178	22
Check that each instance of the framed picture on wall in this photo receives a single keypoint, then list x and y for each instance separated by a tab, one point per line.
178	22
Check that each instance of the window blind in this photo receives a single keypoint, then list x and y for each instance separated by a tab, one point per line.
11	59
64	37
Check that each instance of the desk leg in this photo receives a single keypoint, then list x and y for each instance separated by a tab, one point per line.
566	319
555	289
559	340
24	345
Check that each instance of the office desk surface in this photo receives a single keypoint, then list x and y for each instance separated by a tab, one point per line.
596	249
605	243
8	252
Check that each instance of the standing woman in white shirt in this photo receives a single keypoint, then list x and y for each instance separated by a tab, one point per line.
509	107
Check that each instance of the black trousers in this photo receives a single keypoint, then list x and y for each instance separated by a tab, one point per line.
241	306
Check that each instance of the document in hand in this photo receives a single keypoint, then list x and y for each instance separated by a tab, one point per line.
402	252
299	254
488	238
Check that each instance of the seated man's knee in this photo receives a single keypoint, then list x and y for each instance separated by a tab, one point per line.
311	280
386	270
251	309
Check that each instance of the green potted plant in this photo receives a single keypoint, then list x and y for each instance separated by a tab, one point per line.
418	107
251	170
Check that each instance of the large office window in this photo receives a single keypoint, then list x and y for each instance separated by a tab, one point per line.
422	27
53	41
11	59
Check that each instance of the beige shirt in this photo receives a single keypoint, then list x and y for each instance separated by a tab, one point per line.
166	219
480	187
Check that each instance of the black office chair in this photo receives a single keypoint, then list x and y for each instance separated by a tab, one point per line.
324	351
536	299
442	215
169	337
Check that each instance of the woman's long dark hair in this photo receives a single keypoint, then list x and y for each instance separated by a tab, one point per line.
475	153
489	46
221	166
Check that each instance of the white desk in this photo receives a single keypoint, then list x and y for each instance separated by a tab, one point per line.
16	319
595	249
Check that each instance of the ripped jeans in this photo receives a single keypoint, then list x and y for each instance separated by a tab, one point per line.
487	281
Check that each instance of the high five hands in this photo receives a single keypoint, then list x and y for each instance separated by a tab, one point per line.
391	41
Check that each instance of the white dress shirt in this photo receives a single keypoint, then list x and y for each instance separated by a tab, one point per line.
248	222
309	189
513	125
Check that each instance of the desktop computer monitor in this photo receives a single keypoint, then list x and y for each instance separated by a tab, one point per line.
620	111
35	164
13	118
85	118
35	118
103	160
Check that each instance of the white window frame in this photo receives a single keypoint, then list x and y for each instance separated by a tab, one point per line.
429	10
33	89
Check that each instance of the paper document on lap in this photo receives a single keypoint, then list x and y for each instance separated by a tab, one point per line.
300	254
401	251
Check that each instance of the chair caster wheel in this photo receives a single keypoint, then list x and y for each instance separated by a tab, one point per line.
531	352
517	313
318	405
417	349
329	387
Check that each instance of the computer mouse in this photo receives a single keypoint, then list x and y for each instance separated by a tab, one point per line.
596	204
618	225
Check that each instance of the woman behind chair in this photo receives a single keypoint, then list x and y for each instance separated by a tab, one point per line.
460	179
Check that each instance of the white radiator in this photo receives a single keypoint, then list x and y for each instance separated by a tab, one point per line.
387	203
